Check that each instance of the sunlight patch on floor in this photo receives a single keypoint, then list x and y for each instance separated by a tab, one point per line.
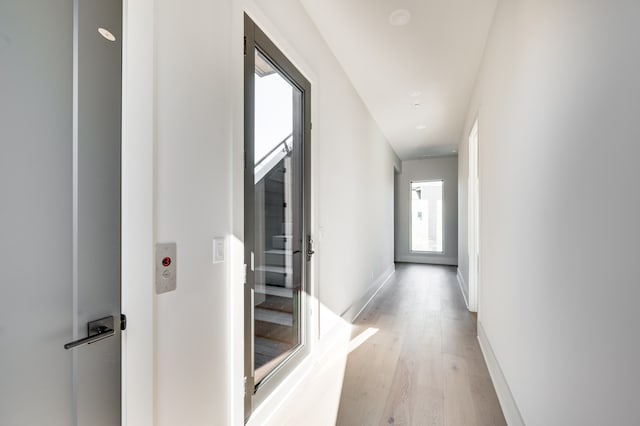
315	400
361	338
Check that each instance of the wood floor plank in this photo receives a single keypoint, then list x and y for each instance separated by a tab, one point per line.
422	365
416	374
485	401
458	403
428	407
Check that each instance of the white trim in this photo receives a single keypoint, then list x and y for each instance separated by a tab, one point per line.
428	259
236	267
359	305
138	126
461	284
505	397
473	217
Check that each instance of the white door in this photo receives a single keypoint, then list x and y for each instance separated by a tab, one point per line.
60	125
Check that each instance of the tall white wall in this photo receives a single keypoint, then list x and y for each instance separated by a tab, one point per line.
197	193
192	199
557	101
445	168
138	227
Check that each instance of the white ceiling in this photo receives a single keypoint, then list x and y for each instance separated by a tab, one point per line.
437	53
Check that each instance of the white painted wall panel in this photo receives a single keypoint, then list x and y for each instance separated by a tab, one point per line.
557	99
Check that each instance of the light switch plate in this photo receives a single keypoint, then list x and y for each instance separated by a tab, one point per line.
166	260
218	249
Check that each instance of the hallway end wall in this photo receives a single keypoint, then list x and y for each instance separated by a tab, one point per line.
445	168
557	102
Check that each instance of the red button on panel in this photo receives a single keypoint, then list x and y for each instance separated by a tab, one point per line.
166	262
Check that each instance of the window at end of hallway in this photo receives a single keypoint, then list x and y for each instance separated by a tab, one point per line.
426	216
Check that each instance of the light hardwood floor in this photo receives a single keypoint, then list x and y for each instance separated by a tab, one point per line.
423	365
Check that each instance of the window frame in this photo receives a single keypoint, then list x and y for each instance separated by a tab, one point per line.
444	239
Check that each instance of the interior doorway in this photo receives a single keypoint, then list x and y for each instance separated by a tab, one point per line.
474	219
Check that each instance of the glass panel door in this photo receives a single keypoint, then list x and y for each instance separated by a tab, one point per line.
277	227
277	154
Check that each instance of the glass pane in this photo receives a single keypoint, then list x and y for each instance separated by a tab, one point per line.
426	216
278	225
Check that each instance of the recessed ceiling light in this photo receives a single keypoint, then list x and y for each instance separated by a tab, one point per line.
415	93
421	126
400	17
106	34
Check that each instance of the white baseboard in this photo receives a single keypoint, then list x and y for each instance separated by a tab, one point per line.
507	401
358	306
429	259
461	284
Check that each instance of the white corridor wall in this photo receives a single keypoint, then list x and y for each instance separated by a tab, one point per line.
557	102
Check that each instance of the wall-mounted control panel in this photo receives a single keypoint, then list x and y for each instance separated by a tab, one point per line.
165	267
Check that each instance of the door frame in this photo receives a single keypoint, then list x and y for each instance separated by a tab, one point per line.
255	394
138	235
473	218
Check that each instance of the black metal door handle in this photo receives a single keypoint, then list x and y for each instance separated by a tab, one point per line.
96	330
310	251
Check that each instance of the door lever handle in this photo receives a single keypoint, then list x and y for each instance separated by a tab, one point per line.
310	251
96	330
